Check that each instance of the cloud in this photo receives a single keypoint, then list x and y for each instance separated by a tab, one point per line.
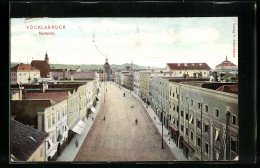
199	35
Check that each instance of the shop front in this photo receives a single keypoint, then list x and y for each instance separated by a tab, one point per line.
174	134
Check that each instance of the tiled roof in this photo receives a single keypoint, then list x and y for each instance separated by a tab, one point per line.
178	80
56	97
207	84
24	140
229	89
81	75
226	63
26	110
188	66
43	66
69	85
23	67
56	70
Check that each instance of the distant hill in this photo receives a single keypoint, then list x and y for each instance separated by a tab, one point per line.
92	66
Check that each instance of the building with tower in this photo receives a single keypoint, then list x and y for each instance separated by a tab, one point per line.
43	66
24	73
106	68
226	66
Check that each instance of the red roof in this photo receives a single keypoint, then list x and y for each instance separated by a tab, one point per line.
229	89
226	63
43	66
56	97
57	70
188	66
23	67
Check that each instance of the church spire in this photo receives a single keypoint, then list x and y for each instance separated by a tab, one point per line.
46	57
226	57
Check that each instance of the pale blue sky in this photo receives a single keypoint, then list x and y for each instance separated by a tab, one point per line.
148	41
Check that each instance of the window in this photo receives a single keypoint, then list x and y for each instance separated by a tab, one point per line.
191	119
172	94
207	148
191	102
233	145
181	127
53	119
206	127
198	124
177	123
198	142
233	120
217	138
198	105
49	145
53	138
206	108
191	136
182	113
58	116
186	116
216	112
187	131
41	152
49	121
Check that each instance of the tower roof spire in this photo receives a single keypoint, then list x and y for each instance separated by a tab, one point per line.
226	57
46	55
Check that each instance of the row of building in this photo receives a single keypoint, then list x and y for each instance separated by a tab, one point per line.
47	108
200	111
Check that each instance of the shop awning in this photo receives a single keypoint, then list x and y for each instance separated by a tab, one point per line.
174	128
50	142
187	145
217	133
217	156
81	124
51	154
191	118
93	109
77	129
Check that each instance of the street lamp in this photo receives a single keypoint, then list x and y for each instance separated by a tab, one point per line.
162	125
188	120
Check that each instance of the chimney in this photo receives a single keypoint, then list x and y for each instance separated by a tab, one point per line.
21	93
71	77
200	75
187	76
43	87
29	80
215	76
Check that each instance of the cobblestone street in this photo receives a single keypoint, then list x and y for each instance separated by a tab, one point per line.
118	138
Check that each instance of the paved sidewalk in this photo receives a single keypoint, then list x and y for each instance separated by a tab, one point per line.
177	152
71	151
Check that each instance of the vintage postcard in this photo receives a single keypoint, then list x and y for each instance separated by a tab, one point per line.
126	89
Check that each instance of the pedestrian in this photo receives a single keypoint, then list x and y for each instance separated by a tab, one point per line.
76	143
169	140
154	118
92	118
104	118
124	94
136	121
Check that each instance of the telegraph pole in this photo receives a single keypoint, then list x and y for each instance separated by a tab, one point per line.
162	126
